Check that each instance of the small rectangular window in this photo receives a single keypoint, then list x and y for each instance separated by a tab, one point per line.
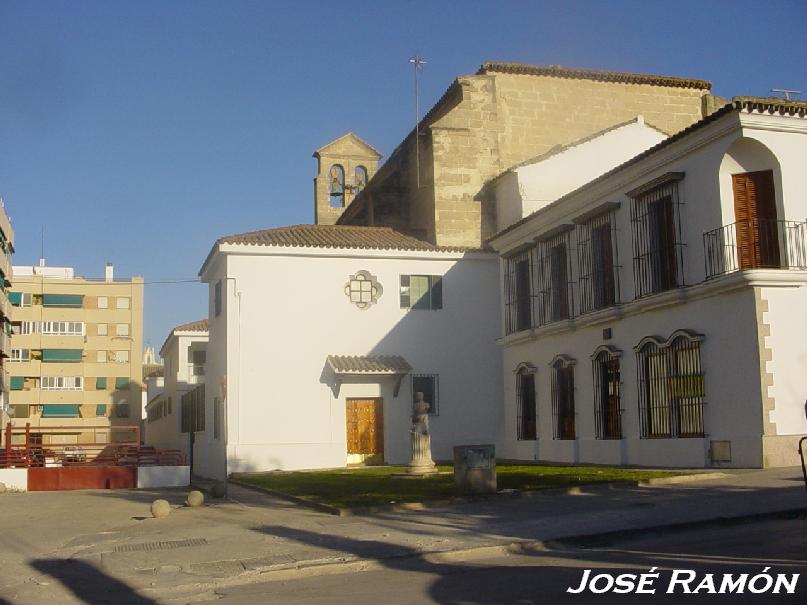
563	399
100	356
217	298
428	385
20	355
102	329
421	292
102	302
122	329
526	418
122	356
122	302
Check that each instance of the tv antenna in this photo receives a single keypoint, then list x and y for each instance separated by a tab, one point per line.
417	63
786	92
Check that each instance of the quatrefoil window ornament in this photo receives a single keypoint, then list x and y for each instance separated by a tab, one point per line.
363	289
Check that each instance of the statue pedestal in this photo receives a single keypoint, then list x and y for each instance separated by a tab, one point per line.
422	463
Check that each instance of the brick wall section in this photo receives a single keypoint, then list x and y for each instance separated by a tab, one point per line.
501	119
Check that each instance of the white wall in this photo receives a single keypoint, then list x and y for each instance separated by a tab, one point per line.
290	312
14	478
163	476
533	186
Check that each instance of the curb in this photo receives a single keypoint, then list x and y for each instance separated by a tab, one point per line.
352	563
573	490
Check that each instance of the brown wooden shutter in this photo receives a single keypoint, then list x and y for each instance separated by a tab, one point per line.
755	215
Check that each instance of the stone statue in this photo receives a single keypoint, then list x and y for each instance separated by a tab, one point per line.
421	461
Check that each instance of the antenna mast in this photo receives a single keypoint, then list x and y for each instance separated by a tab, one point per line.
787	92
418	63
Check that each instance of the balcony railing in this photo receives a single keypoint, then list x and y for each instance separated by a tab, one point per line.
755	244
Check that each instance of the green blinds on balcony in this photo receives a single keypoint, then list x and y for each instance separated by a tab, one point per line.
63	300
17	383
15	298
62	355
121	383
60	410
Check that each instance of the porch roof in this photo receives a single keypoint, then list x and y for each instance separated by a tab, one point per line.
368	364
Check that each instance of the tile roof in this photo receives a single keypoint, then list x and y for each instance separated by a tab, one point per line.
366	364
336	236
559	71
769	105
200	325
153	370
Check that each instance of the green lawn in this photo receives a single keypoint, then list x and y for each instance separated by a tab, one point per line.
373	486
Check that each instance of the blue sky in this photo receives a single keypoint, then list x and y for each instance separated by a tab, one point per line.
139	132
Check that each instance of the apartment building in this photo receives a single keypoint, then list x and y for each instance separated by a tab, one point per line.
6	250
76	362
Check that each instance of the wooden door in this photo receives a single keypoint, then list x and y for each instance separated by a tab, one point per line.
365	426
755	214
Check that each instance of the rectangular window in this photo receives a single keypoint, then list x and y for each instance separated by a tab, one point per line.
563	399
57	410
671	388
121	383
121	356
70	301
20	299
100	409
17	383
217	299
63	328
527	411
553	277
25	327
121	410
597	262
216	418
193	410
102	329
20	355
122	329
20	411
62	383
102	302
421	292
607	395
62	355
657	246
428	384
101	356
100	383
518	291
121	302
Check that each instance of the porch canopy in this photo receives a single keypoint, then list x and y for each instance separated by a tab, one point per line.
346	366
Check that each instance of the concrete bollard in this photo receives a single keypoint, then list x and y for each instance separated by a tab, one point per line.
195	498
2	488
160	508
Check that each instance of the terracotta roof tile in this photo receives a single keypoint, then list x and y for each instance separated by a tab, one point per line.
559	71
366	364
335	236
200	325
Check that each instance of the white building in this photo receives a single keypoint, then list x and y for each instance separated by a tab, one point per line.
184	359
320	335
657	315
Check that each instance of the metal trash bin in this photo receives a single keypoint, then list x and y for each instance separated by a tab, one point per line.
475	469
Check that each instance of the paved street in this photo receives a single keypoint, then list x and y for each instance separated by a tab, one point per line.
543	577
103	546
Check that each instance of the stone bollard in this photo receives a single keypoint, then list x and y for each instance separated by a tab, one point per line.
160	508
2	488
195	498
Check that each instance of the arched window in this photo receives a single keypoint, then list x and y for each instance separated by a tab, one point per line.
563	396
607	393
359	179
527	415
336	186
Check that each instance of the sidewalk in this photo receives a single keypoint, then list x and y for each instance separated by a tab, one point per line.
51	537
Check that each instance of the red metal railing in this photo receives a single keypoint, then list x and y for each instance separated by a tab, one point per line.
28	446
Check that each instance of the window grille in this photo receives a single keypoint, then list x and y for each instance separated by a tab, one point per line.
657	238
598	262
554	285
607	393
527	416
671	386
563	397
192	419
428	384
519	298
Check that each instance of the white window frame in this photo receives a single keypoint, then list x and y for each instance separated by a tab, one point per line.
101	357
61	383
102	329
27	299
122	329
63	328
121	356
20	355
102	302
122	302
29	327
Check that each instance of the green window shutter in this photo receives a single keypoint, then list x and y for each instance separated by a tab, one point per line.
100	409
62	355
121	410
58	410
74	301
419	291
437	292
17	383
121	383
15	298
100	383
405	292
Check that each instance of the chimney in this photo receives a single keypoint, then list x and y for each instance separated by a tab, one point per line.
110	270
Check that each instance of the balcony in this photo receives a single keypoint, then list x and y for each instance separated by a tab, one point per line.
755	244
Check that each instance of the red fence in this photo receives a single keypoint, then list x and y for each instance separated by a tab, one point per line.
110	446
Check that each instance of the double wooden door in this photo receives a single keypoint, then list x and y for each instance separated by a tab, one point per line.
365	426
